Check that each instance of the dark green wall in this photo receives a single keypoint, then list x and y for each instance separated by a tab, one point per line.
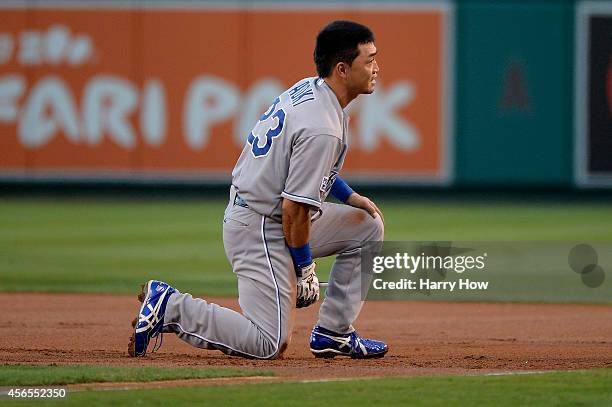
514	86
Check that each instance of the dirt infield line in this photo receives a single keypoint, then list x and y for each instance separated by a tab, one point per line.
225	381
425	338
218	381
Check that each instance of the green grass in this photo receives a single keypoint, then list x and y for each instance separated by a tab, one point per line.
27	375
104	246
580	388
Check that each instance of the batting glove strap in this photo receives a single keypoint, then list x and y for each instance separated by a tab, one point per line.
307	287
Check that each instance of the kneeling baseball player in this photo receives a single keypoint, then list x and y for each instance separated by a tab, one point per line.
277	221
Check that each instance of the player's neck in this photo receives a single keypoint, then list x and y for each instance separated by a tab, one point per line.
342	94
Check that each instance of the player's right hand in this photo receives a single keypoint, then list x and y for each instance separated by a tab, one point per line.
307	287
365	203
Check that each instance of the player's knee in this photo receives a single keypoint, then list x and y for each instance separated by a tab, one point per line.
275	352
282	347
376	229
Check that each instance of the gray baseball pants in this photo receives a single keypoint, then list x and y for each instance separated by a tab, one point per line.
255	246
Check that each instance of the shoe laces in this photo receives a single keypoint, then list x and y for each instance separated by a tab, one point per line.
159	338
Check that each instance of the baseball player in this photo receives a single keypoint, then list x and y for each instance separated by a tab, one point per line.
277	221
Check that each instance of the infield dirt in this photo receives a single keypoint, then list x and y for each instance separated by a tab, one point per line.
424	337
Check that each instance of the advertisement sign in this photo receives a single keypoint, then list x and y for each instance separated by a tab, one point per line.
112	90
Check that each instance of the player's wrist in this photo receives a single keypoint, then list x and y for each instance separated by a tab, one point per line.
302	257
341	190
352	199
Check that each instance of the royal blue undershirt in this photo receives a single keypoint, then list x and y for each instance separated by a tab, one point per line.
340	190
301	256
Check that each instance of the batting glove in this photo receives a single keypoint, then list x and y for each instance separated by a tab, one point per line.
307	287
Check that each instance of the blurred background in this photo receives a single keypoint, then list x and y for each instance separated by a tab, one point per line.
472	93
492	120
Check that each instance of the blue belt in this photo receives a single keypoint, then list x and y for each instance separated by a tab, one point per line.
240	202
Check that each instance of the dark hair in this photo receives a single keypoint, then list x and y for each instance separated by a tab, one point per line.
337	42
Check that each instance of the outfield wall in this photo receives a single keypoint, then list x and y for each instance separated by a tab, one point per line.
472	93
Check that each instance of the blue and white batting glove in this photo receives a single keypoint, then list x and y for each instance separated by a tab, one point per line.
307	287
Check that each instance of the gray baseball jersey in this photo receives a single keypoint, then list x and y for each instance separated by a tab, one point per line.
295	150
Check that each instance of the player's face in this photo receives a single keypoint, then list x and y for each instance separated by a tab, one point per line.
364	70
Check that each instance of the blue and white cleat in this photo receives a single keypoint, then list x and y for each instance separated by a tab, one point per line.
327	344
150	320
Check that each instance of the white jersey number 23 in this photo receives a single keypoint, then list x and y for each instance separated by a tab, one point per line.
271	132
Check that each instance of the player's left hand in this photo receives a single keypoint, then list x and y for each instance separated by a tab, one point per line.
362	202
307	287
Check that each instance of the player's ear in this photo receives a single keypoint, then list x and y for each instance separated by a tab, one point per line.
341	69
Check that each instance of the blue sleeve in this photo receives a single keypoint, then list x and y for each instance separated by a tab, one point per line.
340	190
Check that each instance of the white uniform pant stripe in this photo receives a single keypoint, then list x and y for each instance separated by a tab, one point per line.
278	306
